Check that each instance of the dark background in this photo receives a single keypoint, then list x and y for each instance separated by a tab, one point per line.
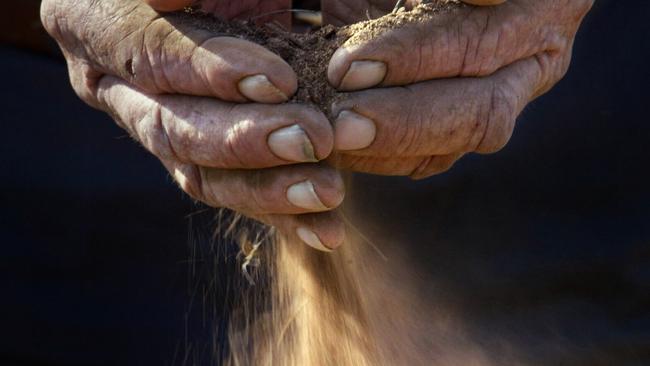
546	243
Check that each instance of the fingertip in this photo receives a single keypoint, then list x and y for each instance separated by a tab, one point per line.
338	65
313	187
347	74
352	131
259	88
312	239
363	74
315	125
332	190
282	77
239	69
322	231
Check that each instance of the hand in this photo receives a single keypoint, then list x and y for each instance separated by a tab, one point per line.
185	94
449	85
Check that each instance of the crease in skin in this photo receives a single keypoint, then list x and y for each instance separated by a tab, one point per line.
419	170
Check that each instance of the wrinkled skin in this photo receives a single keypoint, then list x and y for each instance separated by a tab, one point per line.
494	61
177	91
438	90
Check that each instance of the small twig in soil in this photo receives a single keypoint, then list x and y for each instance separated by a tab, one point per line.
398	5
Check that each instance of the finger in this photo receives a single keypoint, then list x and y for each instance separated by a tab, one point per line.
414	167
468	41
321	231
294	189
438	117
171	55
239	191
168	5
211	133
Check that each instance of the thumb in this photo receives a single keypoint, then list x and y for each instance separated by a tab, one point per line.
168	5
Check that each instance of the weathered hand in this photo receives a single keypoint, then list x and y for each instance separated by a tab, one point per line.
450	85
182	92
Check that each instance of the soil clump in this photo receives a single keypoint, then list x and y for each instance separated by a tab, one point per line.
309	53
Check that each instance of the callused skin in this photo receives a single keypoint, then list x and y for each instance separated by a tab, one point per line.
421	96
436	90
189	96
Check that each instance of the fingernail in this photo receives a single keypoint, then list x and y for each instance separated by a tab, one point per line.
353	131
363	74
311	239
292	143
303	195
258	88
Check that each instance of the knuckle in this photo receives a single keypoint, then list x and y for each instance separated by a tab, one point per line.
259	201
504	38
253	193
498	119
84	80
476	35
553	69
136	46
146	66
54	16
238	144
153	134
562	67
443	164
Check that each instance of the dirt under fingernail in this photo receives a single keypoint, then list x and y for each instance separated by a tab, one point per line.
309	53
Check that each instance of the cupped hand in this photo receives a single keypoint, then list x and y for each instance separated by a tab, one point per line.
188	95
434	90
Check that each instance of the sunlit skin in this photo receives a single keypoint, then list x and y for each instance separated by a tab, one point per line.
422	96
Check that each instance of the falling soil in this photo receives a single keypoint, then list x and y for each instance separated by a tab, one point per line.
309	53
